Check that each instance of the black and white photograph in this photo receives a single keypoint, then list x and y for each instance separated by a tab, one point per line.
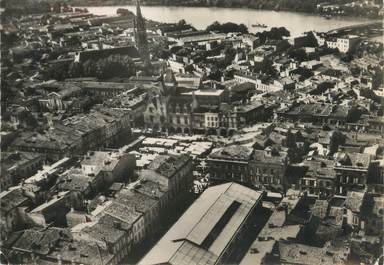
192	132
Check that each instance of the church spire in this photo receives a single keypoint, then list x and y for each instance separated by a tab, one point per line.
138	9
141	35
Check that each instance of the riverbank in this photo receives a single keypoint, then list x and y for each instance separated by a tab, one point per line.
201	17
301	6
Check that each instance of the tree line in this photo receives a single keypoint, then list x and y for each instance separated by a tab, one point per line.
102	68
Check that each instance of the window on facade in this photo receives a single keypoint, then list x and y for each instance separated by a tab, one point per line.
312	182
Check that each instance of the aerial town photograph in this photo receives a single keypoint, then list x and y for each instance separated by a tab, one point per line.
192	132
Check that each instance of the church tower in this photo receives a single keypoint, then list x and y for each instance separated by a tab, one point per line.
141	35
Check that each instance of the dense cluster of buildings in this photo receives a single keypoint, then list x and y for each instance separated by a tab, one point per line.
129	141
74	206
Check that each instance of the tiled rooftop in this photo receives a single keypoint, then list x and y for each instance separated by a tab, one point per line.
104	231
232	152
135	200
303	254
123	212
168	165
12	198
273	156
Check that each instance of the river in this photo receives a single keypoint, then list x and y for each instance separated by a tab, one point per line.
201	17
